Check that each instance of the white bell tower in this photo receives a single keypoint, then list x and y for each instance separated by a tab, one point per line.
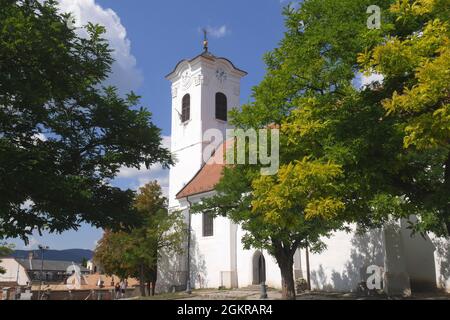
203	90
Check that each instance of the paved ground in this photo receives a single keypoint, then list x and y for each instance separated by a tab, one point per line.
253	294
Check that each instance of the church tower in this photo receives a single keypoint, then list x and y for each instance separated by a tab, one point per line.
204	89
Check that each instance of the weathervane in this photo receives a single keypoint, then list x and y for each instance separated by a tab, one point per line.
205	39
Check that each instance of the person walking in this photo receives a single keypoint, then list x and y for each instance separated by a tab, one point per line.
117	290
123	288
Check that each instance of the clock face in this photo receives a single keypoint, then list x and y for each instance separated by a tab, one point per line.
186	79
221	75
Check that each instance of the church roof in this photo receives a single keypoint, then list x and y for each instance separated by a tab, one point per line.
207	55
208	176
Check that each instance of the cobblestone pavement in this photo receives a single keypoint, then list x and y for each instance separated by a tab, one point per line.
254	294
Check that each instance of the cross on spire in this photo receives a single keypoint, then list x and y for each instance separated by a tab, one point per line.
205	39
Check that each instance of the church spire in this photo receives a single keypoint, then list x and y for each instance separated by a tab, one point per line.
205	40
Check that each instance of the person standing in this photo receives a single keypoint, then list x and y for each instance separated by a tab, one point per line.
123	288
117	290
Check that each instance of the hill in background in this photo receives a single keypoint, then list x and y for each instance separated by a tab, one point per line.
74	255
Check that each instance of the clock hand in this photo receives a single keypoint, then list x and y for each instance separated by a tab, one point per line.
179	114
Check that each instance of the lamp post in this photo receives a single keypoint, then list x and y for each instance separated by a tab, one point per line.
42	248
308	273
188	267
262	276
263	293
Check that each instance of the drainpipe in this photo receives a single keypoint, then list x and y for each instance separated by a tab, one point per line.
263	292
188	278
308	274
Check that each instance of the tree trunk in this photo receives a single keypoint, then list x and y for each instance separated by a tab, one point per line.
287	281
149	288
142	279
447	188
153	287
285	260
154	277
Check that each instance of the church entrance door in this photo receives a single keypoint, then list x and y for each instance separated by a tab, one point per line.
259	268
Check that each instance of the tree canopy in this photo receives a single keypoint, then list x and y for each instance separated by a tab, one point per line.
349	152
414	61
64	136
136	253
5	250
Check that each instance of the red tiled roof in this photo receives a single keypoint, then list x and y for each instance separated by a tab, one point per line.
208	176
211	172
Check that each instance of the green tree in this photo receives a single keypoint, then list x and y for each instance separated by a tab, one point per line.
309	91
332	145
415	62
348	154
62	135
84	262
136	253
109	254
279	213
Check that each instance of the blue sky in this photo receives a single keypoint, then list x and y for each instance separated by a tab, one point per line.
149	38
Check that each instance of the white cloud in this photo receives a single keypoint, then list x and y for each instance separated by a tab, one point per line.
125	74
137	178
32	244
218	32
166	141
374	77
361	81
40	136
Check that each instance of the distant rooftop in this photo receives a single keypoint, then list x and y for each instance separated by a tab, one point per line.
49	265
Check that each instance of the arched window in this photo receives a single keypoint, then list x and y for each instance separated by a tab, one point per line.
186	108
221	106
208	224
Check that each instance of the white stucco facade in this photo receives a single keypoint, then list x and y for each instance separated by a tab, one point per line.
221	261
14	272
199	79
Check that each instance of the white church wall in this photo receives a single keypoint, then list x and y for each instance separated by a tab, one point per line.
245	265
273	273
419	259
339	267
229	87
172	269
442	262
244	262
182	172
210	255
213	259
186	138
198	79
396	278
221	260
411	263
